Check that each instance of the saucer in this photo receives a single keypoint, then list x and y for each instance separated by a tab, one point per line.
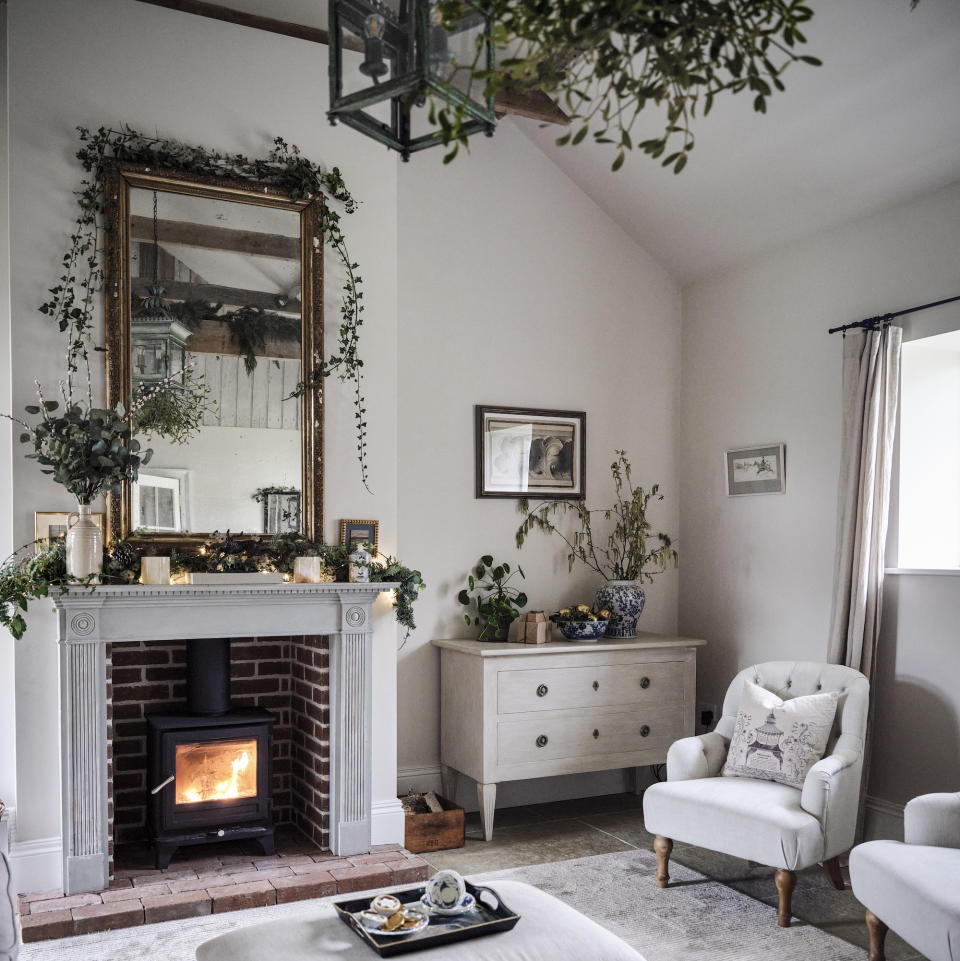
466	903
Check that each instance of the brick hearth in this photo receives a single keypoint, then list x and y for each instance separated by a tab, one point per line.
215	884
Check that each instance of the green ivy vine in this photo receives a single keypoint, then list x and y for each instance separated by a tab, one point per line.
72	299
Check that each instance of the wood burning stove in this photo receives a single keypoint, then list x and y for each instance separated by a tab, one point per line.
210	768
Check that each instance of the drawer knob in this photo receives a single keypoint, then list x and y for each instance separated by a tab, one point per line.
596	685
596	733
542	740
645	730
644	682
542	690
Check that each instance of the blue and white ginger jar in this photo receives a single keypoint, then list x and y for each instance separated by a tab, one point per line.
624	600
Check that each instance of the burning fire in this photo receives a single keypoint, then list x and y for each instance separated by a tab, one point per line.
216	772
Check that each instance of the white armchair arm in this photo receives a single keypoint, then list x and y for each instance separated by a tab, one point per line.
933	819
696	757
831	793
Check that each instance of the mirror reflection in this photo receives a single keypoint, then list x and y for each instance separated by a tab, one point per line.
215	327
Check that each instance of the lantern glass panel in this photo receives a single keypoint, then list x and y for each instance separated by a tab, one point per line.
454	48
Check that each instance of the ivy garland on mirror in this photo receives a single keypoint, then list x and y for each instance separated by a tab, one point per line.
71	304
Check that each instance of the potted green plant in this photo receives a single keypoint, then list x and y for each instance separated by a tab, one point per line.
495	600
628	557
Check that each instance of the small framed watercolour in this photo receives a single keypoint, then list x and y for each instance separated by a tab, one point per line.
360	532
51	526
530	453
755	470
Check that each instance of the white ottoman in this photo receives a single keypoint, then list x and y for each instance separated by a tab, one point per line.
548	930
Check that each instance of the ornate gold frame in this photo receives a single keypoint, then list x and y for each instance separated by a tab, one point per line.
120	178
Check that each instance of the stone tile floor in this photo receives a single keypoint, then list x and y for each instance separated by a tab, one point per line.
580	828
215	879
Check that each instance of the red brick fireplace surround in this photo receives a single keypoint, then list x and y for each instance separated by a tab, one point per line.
289	676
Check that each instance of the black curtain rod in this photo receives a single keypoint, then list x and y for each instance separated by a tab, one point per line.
874	323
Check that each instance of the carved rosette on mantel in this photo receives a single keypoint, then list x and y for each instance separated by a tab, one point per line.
91	619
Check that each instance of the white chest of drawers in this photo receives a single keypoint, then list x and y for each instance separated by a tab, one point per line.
515	711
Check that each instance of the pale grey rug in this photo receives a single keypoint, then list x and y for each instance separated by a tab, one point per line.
695	920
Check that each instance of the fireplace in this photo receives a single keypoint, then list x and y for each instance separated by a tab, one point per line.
209	770
210	780
92	623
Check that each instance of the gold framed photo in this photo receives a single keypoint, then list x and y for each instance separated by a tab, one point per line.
353	532
52	526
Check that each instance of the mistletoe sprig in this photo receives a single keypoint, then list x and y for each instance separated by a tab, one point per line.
72	300
608	60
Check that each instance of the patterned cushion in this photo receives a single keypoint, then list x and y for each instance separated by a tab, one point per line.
776	740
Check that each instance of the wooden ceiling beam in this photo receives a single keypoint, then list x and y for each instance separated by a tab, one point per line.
537	106
217	238
228	296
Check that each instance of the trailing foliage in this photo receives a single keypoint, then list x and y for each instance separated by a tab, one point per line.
72	298
36	569
25	576
497	602
628	555
607	60
237	554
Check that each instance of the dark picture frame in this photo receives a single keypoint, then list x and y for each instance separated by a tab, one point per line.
360	532
756	470
530	452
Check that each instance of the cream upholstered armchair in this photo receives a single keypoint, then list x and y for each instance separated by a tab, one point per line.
914	887
763	821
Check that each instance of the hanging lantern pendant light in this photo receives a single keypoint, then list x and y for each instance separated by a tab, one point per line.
387	57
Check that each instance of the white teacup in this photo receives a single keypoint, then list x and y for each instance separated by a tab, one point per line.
445	892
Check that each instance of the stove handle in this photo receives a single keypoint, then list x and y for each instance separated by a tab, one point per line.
163	784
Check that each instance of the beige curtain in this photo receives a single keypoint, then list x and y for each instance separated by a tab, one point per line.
871	382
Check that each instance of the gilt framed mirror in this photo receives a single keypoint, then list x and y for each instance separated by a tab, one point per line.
214	301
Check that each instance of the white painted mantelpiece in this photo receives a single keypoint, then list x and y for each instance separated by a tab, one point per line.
91	619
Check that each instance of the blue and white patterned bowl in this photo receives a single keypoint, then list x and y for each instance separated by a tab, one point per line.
583	630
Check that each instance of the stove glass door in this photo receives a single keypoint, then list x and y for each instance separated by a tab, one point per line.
216	770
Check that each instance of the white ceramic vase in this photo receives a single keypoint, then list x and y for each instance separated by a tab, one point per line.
84	545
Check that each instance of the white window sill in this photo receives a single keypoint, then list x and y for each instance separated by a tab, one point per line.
934	571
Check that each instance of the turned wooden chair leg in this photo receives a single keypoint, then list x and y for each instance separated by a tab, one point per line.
663	846
878	932
785	881
831	868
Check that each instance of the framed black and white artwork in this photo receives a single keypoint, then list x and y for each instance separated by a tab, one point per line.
756	470
526	452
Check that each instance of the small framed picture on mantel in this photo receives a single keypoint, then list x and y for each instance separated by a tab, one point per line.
526	452
756	470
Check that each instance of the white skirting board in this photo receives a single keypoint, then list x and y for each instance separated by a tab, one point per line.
36	865
387	822
883	820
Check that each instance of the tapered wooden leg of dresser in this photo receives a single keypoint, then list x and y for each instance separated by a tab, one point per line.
487	799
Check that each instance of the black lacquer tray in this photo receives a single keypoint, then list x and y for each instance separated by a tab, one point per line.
489	916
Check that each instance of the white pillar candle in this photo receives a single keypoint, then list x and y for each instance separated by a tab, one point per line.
308	570
155	570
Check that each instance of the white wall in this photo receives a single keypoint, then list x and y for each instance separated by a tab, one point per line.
210	83
758	366
516	290
7	713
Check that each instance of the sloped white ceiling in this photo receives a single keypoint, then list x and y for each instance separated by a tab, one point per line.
877	124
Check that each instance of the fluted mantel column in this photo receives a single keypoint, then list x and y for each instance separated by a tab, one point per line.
89	620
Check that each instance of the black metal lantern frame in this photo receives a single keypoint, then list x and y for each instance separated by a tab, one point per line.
408	49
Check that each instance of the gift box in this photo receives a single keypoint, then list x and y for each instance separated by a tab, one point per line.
535	628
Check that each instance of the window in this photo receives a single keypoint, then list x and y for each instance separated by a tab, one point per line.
929	490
